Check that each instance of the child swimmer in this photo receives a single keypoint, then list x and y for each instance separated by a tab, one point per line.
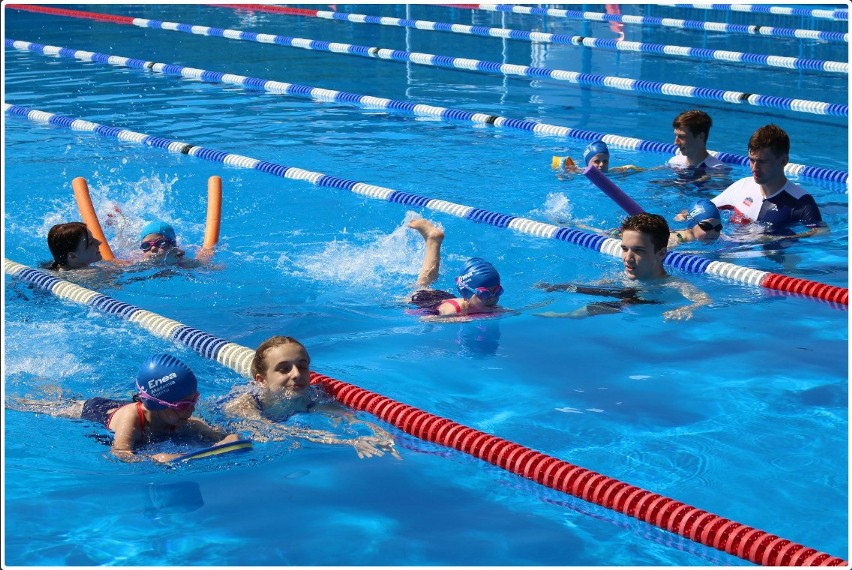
595	154
478	283
163	406
281	388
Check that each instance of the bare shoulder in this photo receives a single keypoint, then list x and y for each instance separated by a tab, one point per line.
243	406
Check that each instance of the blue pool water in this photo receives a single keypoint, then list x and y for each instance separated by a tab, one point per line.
741	411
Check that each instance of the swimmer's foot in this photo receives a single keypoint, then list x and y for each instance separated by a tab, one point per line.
427	229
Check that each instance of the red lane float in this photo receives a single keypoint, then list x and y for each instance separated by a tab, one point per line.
695	524
73	13
814	289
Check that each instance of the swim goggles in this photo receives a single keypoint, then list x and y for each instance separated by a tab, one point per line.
161	243
707	226
181	406
484	293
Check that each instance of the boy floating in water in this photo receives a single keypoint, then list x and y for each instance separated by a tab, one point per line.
478	283
644	239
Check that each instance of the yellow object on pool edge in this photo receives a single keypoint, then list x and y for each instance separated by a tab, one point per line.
560	162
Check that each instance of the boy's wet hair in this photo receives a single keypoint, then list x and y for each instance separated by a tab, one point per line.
652	224
696	121
62	239
772	137
258	363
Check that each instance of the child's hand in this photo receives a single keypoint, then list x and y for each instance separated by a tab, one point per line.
227	439
173	256
165	457
372	446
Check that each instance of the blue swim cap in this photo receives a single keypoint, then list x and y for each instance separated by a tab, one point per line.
166	378
702	209
476	273
597	147
162	228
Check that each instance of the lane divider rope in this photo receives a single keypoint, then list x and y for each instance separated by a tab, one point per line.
443	113
668	514
491	67
560	39
836	15
684	262
768	31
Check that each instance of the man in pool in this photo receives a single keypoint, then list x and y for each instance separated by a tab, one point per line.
644	242
767	197
692	162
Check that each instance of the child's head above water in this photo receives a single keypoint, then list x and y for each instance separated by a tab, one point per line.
157	237
597	154
704	219
478	277
164	382
72	246
282	363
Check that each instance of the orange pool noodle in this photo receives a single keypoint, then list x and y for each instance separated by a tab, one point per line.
214	213
90	218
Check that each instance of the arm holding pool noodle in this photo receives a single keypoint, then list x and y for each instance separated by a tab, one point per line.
614	192
214	217
90	218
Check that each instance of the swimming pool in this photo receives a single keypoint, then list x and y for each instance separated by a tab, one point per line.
741	411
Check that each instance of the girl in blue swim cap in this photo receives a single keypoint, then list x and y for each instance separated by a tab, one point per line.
478	283
163	406
595	154
281	388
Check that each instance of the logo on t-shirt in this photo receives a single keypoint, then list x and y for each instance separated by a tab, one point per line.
748	201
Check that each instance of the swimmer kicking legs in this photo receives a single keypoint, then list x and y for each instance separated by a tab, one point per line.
433	236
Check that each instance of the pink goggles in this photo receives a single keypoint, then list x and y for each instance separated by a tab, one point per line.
180	406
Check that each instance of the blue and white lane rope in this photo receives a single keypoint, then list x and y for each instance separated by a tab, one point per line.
684	262
768	31
837	14
589	79
562	39
234	356
443	113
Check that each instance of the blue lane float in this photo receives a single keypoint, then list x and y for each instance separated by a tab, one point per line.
443	113
610	82
225	352
837	14
560	39
769	31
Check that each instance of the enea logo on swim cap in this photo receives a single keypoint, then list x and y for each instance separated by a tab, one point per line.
157	382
